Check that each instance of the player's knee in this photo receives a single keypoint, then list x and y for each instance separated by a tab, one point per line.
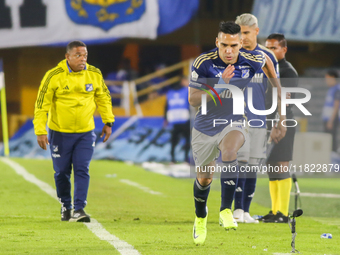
229	153
204	181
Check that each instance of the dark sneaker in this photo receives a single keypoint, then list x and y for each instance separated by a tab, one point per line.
80	216
268	216
281	218
277	218
65	214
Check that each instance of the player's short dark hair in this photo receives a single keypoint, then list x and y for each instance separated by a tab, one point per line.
333	73
229	27
74	44
279	37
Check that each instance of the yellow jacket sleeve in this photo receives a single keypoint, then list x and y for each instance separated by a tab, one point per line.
43	104
104	104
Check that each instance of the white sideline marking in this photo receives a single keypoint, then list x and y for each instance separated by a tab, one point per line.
31	178
123	247
137	185
96	228
317	195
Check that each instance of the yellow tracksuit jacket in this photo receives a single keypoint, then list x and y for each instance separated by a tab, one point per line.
70	99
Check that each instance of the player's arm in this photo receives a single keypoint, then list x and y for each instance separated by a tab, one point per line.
335	110
334	114
270	72
103	100
289	79
165	122
195	94
41	108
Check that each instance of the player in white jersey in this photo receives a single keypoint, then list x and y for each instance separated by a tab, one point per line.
254	150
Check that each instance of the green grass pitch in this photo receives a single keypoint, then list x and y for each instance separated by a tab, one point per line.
153	224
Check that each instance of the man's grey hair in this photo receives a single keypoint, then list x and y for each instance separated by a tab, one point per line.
247	19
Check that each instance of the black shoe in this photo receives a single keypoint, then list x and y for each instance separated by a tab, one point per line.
65	214
80	216
280	218
267	216
277	218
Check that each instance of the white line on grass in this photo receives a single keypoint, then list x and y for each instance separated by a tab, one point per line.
123	247
30	177
137	185
305	194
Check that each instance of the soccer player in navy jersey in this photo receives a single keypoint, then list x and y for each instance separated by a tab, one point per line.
208	140
254	149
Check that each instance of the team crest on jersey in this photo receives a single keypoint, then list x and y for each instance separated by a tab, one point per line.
245	73
105	13
89	87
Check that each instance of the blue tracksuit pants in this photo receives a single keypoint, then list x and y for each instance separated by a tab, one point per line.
72	150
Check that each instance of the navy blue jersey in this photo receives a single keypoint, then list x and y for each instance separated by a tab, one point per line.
207	70
333	94
259	85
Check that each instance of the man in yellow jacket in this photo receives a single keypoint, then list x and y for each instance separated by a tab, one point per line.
68	97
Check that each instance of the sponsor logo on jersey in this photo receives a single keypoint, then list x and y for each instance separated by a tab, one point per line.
219	67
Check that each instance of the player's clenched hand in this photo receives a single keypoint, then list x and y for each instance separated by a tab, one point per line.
288	96
283	131
277	133
228	73
329	125
282	128
107	132
42	141
274	134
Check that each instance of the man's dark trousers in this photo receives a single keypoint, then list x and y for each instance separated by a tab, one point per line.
67	150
